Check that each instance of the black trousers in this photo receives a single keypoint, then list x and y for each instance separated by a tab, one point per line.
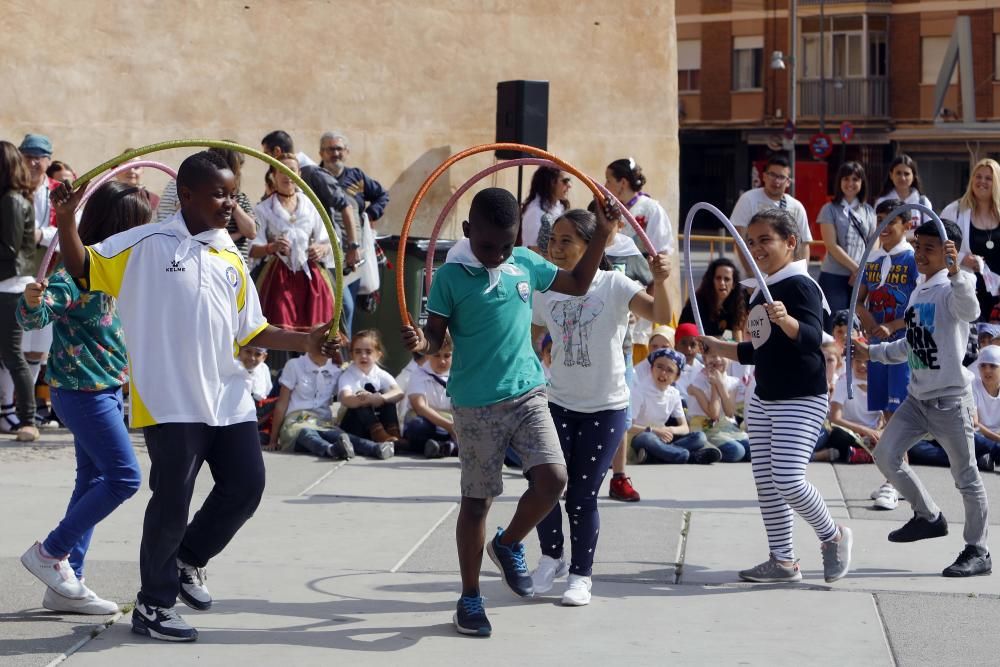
12	357
177	452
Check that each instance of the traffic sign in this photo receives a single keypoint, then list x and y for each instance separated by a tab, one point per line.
789	129
820	146
846	131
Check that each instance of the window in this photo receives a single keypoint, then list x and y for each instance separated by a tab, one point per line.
996	57
878	53
843	52
748	57
932	50
688	65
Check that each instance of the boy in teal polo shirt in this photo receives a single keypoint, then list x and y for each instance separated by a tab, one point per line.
483	296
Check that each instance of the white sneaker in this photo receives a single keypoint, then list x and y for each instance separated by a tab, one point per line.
887	498
549	569
53	572
193	590
577	591
92	604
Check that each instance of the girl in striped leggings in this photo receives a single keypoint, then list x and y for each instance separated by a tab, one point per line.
789	404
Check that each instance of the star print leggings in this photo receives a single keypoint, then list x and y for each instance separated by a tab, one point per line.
589	441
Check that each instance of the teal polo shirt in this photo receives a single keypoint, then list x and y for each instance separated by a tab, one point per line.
494	359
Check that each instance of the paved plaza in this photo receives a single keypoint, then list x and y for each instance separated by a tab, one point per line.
355	564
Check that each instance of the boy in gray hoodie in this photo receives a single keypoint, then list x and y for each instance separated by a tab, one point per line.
940	400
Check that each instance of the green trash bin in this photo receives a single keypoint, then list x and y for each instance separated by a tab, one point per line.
386	317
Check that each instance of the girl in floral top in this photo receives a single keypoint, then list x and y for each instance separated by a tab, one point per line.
86	371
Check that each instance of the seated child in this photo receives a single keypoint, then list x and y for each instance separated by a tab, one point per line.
687	344
661	337
657	403
431	427
854	428
369	392
986	390
833	353
258	379
712	409
545	350
303	418
403	380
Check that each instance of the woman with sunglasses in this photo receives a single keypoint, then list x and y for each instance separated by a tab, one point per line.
545	203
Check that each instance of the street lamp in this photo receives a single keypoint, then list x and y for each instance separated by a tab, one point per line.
779	62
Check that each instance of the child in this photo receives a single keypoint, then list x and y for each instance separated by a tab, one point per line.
888	280
186	303
369	392
660	432
258	375
987	334
431	429
902	183
712	409
856	429
687	344
940	400
588	393
303	420
789	405
833	359
545	352
986	390
661	337
483	294
86	371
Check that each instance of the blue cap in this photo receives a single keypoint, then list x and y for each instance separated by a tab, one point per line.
36	144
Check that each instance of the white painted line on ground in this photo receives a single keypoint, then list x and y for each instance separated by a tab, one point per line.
423	539
94	634
336	466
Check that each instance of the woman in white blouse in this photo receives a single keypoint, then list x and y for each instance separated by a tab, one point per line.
545	203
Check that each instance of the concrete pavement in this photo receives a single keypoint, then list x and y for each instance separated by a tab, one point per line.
357	562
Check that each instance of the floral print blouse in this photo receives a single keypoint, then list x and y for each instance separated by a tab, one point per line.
88	347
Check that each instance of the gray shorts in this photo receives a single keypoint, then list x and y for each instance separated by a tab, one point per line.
523	423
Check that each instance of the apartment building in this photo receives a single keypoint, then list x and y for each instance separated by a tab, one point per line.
869	68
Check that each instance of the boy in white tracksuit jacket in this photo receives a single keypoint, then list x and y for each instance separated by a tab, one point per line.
940	400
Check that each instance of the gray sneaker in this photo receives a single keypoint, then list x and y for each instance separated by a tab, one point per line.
772	572
837	555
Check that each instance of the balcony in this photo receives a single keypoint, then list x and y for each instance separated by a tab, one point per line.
845	98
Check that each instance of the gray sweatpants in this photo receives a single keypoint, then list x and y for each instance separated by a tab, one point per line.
949	421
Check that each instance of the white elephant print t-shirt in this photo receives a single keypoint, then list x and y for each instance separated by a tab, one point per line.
588	366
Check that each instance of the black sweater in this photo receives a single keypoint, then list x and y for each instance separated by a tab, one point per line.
787	368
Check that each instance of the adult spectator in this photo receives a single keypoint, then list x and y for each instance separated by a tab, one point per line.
720	302
133	176
625	180
845	223
36	150
772	195
545	203
60	171
279	143
978	216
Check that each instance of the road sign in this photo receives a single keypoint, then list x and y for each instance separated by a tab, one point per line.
789	129
846	131
820	146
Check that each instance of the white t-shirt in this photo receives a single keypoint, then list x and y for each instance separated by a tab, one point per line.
654	221
531	220
688	374
422	382
259	382
312	387
987	406
588	367
354	380
856	409
652	406
43	216
754	201
185	303
733	386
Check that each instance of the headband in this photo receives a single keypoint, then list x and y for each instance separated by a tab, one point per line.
673	355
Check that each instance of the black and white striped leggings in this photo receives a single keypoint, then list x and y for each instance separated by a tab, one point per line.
782	438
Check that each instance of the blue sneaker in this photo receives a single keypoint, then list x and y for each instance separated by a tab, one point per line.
512	565
470	617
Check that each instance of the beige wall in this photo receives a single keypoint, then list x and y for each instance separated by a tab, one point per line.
409	82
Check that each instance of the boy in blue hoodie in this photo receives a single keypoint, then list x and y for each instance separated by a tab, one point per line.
940	400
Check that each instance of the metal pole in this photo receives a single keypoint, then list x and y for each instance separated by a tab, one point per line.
793	102
822	68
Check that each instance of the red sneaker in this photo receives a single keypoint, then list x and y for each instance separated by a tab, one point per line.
860	455
622	489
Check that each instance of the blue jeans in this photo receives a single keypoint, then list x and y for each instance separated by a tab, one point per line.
676	451
838	294
107	473
930	453
630	382
349	295
419	430
735	450
318	442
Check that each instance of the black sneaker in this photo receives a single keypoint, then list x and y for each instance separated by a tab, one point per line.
512	566
706	456
972	562
470	617
161	623
343	448
985	463
193	591
434	450
919	528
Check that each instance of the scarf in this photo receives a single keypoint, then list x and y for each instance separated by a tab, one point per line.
216	238
299	253
461	253
880	254
622	246
791	269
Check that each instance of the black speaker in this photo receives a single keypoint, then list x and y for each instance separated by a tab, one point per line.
522	115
